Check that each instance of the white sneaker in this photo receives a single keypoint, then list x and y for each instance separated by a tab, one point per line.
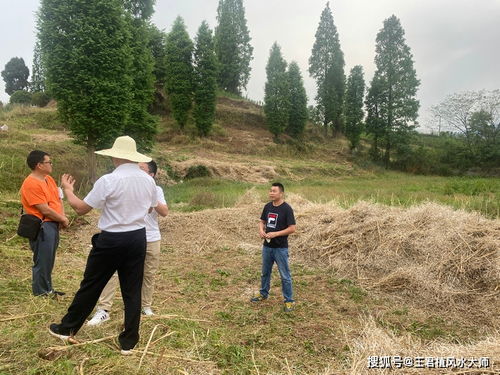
99	317
126	352
147	311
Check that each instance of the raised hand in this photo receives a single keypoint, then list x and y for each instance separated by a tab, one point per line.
67	182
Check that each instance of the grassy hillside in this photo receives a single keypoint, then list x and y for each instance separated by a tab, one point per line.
239	155
384	263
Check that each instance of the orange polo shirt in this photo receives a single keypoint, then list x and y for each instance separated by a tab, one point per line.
34	191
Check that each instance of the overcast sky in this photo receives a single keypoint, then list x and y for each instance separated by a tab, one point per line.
455	43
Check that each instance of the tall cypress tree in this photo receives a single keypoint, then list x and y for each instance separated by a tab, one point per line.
232	46
205	80
298	102
87	64
374	123
353	113
141	125
326	66
277	95
179	66
37	83
157	44
140	9
392	104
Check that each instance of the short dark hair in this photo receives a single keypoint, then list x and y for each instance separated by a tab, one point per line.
35	157
280	185
152	167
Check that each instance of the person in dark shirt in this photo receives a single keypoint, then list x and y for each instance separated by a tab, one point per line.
276	223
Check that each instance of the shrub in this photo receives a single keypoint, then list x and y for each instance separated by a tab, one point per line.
40	99
196	171
20	97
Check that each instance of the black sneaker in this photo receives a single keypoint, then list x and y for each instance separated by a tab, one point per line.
58	293
54	330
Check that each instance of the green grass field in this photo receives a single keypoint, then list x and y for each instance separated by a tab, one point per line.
206	324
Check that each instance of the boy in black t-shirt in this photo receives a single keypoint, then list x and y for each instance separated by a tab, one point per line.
276	223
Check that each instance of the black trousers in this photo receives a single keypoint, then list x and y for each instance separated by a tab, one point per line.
123	252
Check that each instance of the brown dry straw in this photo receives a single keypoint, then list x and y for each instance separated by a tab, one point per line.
429	253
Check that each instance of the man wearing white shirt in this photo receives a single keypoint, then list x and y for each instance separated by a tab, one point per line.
125	196
151	263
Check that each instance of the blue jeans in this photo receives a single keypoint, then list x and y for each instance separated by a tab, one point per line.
44	255
280	256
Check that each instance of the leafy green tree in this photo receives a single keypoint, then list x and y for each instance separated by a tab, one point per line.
485	135
353	112
298	102
37	73
20	97
179	82
277	93
15	75
232	46
394	95
326	66
205	80
87	64
472	115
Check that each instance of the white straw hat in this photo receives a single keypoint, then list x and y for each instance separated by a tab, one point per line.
125	148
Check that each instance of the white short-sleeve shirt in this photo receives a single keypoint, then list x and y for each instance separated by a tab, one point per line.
152	228
125	197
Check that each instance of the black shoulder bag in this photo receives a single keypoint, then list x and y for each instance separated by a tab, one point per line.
29	226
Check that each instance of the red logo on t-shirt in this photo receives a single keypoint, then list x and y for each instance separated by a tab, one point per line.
272	220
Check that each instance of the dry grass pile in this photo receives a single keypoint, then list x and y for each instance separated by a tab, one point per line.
378	342
429	254
230	170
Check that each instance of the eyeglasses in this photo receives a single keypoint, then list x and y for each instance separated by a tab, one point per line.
46	162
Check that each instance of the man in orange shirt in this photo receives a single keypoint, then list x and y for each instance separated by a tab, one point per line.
41	197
